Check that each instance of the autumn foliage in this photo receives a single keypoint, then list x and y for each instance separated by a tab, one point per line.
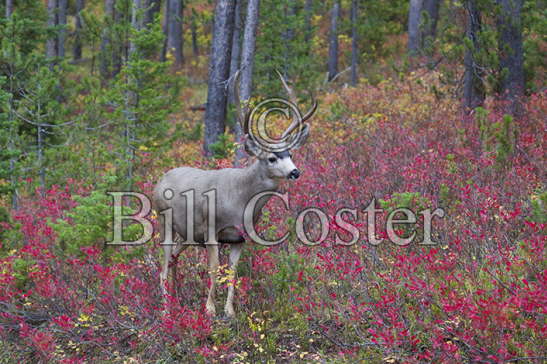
478	295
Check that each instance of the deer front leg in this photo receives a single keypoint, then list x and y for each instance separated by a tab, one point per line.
235	253
213	262
167	249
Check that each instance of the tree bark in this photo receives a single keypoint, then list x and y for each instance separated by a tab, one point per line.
248	50
308	11
135	23
62	8
509	24
77	50
174	31
288	36
333	42
247	64
9	8
106	42
236	48
165	28
431	7
473	90
354	43
51	43
414	15
219	72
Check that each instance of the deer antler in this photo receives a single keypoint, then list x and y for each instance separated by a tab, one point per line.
297	119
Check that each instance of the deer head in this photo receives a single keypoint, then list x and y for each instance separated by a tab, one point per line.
274	154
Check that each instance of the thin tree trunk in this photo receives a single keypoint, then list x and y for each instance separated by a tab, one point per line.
130	96
165	27
51	43
194	32
247	64
414	15
120	51
236	48
219	72
77	50
174	31
62	8
106	42
509	24
354	40
9	8
431	7
41	170
135	23
288	36
473	91
333	43
308	11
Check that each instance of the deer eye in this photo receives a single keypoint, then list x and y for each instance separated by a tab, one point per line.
272	159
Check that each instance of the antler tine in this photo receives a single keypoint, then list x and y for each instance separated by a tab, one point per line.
290	92
292	97
308	115
311	111
241	112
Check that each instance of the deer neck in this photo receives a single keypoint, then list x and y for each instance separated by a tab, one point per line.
254	177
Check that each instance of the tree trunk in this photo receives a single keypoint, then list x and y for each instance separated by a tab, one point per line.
236	48
308	11
354	47
152	9
509	24
473	91
106	42
62	8
333	43
219	72
120	50
51	43
288	36
131	99
431	7
135	23
77	50
194	32
174	31
165	27
9	8
414	15
247	64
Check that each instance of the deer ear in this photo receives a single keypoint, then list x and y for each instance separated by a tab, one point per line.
303	137
251	147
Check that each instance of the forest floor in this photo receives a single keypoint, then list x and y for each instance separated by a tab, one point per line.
478	294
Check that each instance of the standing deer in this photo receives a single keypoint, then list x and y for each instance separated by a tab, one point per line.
235	187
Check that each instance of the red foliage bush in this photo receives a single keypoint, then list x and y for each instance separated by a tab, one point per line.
479	295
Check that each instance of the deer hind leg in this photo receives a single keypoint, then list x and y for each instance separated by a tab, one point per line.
213	263
169	246
235	253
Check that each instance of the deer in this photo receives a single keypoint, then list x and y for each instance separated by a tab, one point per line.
234	187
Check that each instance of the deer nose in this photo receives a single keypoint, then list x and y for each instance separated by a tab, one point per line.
295	173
